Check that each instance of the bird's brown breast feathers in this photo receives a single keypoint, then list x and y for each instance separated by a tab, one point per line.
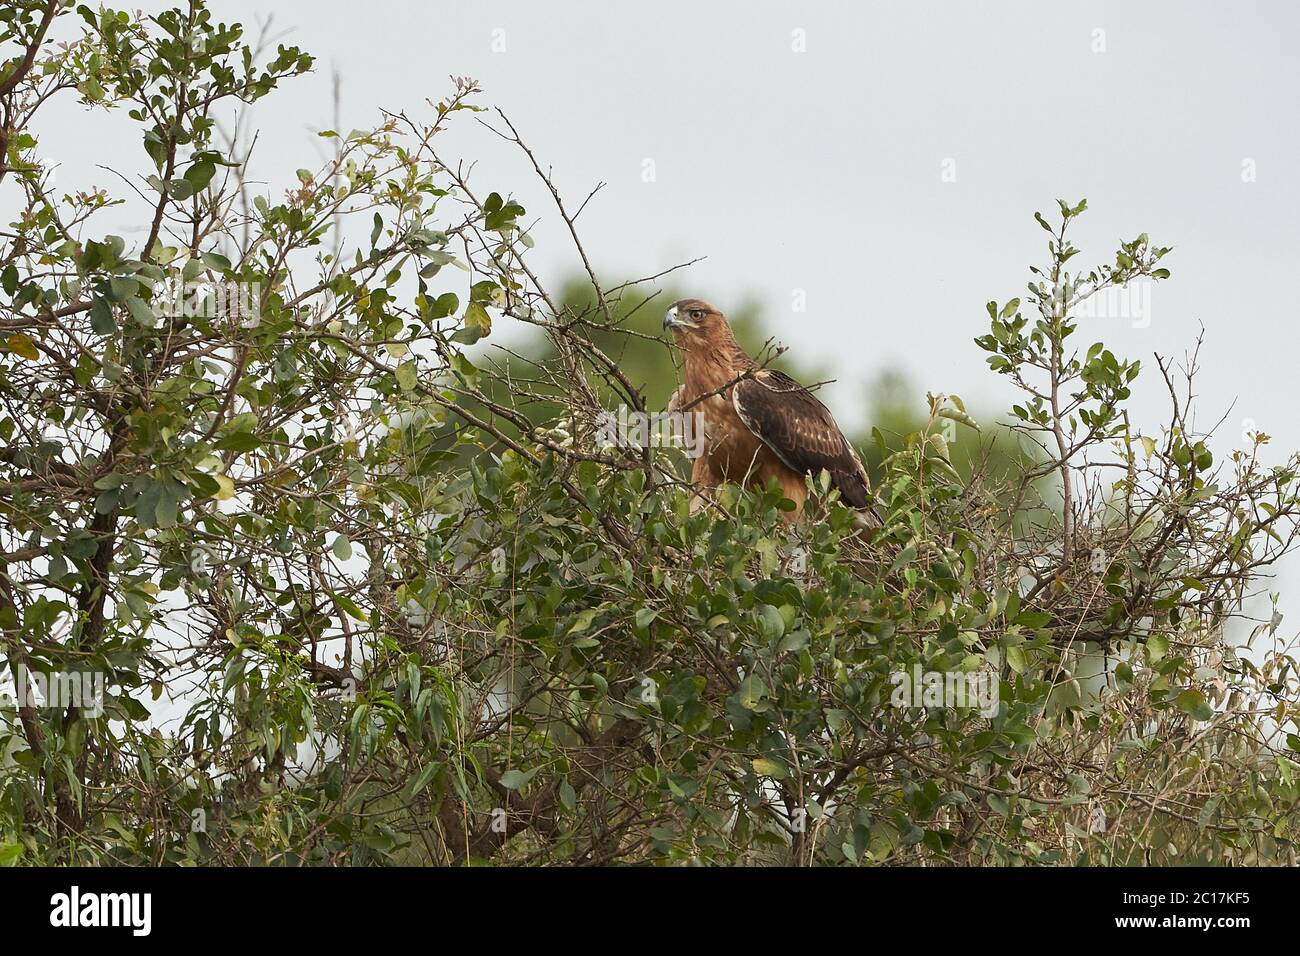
732	453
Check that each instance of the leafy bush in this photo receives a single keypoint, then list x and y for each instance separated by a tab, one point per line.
361	593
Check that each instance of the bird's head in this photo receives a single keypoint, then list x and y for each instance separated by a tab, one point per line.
694	320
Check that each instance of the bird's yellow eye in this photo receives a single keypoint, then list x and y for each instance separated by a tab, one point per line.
696	314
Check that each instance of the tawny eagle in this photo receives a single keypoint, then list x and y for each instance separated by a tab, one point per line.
759	424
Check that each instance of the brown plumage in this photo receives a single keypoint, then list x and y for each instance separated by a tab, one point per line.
759	424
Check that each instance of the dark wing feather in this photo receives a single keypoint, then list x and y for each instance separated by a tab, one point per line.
800	430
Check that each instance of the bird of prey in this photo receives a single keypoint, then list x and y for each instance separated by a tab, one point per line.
759	424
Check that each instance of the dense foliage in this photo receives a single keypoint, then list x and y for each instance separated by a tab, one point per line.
362	591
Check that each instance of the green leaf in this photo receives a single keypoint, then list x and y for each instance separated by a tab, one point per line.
959	416
423	778
342	547
10	853
225	488
1034	619
445	305
1157	647
141	312
348	606
1192	701
239	442
200	174
514	779
568	796
464	369
752	692
770	622
23	345
476	317
407	377
468	335
168	502
101	318
146	505
215	261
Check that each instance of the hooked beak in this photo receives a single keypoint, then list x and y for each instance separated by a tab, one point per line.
674	320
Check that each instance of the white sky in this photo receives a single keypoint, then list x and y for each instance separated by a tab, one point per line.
821	170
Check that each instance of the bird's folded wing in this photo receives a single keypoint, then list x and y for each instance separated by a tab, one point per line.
800	430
